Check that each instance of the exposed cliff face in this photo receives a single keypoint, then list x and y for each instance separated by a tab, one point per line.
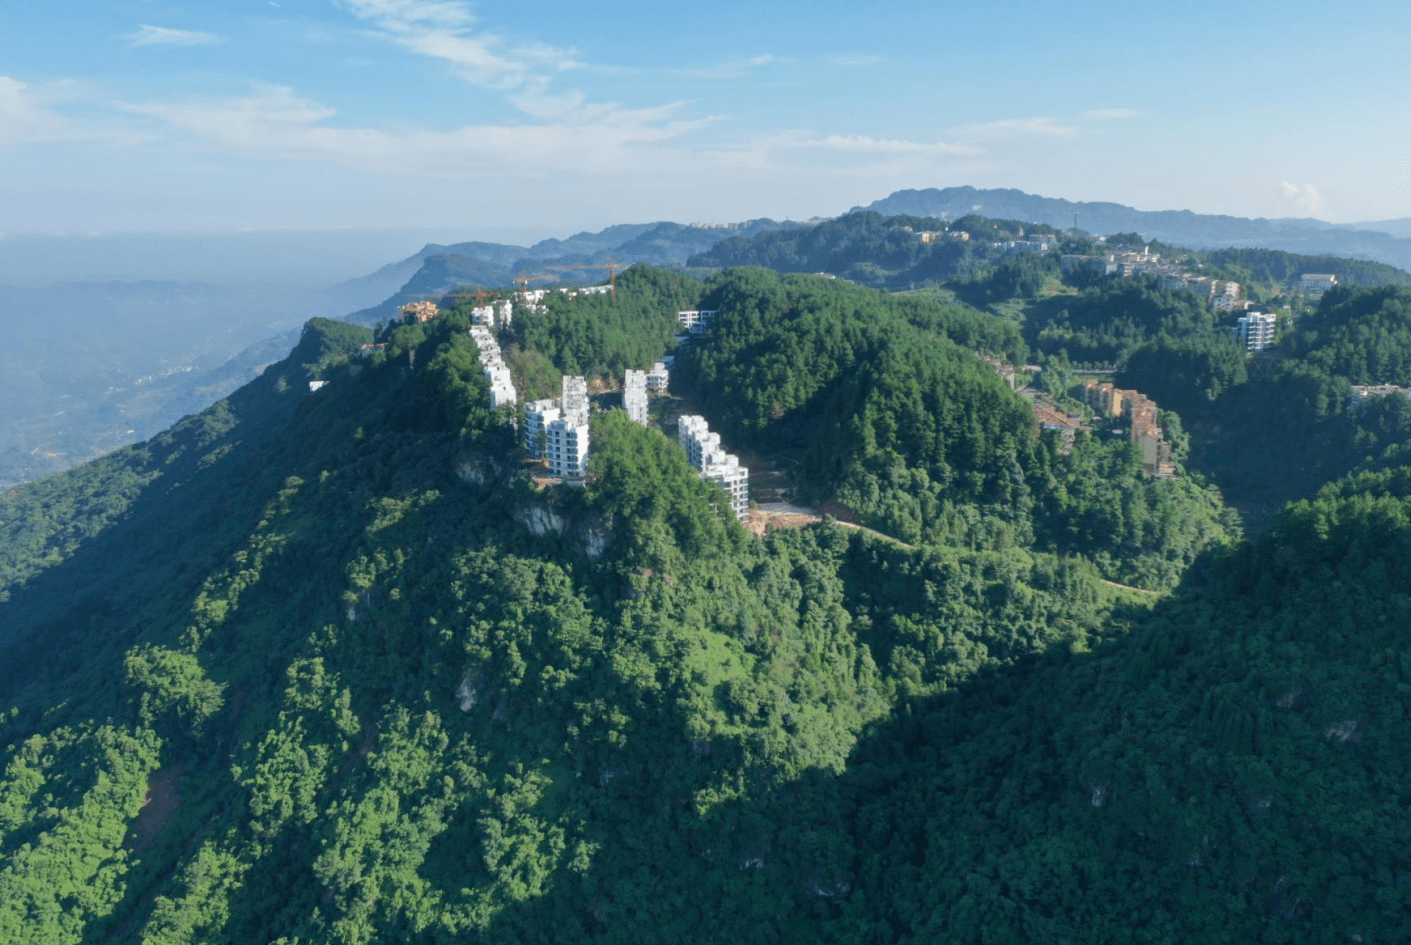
594	538
468	692
477	468
540	519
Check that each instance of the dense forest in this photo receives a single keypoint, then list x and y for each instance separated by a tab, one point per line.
871	249
885	407
327	666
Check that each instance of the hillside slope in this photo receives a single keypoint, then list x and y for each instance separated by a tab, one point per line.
374	686
1181	227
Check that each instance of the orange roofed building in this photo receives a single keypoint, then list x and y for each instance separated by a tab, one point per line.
419	312
1142	413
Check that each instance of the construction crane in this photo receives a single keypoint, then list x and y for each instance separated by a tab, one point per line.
525	278
610	266
480	295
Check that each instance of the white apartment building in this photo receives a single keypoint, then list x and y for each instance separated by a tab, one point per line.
504	312
690	428
1362	393
503	395
658	378
704	451
575	400
1256	330
733	478
696	321
1316	283
634	396
502	391
567	449
538	414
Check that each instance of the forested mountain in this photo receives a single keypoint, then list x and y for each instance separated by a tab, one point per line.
1180	227
582	258
869	248
884	406
378	687
1267	431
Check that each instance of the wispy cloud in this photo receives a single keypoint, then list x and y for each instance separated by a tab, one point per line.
863	143
1109	114
162	36
446	30
22	119
275	122
1007	127
730	69
1303	197
856	61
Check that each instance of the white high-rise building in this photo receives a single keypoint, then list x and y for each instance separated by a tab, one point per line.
689	430
1256	330
734	479
504	312
538	414
575	400
695	321
658	378
567	449
502	390
1317	283
634	396
704	451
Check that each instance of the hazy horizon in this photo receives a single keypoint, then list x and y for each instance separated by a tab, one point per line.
315	114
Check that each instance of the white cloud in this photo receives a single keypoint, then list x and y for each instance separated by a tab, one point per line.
856	61
863	143
161	36
273	122
1044	127
730	69
1303	197
22	119
1109	114
443	29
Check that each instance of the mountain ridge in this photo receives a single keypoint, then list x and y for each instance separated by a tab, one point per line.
1179	227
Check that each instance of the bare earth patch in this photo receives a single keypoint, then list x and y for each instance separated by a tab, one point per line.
161	801
779	515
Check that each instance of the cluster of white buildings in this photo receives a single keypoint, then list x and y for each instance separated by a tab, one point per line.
1223	295
704	451
1316	283
659	377
498	314
634	396
533	299
1256	330
558	432
502	392
695	321
1361	394
638	384
935	236
1037	244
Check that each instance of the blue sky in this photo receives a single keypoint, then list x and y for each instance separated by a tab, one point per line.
519	120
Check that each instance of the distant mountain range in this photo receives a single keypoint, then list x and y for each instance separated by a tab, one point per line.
1388	242
62	411
582	258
